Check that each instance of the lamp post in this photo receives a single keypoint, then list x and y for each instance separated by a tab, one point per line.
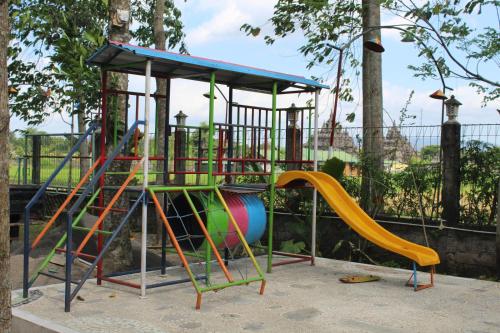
450	143
293	147
375	45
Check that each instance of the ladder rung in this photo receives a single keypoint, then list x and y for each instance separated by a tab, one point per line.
57	277
118	210
104	232
83	255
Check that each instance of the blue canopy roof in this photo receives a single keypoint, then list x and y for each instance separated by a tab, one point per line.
131	59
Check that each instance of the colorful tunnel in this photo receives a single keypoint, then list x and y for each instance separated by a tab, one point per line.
247	209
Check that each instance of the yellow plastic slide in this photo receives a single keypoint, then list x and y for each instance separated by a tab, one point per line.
354	216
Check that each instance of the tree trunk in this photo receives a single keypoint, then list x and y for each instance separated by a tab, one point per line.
372	166
84	148
161	87
5	309
119	255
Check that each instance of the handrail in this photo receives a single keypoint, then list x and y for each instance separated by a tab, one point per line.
38	195
54	174
105	166
92	183
64	204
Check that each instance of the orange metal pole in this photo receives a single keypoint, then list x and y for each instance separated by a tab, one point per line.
64	204
108	207
177	247
208	238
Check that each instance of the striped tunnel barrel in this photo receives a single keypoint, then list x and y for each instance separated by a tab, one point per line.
248	210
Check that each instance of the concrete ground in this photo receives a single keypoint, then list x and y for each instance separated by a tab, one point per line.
298	298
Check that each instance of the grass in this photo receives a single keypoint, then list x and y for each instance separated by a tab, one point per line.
16	174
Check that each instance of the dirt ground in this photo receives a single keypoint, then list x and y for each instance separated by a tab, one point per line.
16	261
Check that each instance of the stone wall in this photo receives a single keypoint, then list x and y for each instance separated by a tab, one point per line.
462	253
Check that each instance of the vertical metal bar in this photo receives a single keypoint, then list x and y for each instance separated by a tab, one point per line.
272	181
127	98
259	133
415	283
230	135
166	174
104	110
211	180
69	261
115	119
252	139
279	133
315	167
244	142
211	130
144	228
309	136
136	107
220	150
26	253
238	131
200	153
25	162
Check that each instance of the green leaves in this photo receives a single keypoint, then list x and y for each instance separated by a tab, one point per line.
440	31
143	13
62	34
290	246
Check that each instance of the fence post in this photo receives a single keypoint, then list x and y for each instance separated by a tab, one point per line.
35	159
293	145
450	143
180	145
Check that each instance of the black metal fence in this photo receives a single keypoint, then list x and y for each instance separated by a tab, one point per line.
412	162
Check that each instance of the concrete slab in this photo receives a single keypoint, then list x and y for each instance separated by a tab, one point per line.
298	298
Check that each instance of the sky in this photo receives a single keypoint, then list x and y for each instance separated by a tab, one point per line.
213	30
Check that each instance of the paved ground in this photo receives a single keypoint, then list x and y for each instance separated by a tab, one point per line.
298	298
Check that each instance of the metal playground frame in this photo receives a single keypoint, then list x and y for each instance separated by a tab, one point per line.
249	136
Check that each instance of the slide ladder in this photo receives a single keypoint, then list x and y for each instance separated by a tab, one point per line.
71	207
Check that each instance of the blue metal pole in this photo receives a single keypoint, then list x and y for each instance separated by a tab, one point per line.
415	283
34	200
105	247
69	260
105	166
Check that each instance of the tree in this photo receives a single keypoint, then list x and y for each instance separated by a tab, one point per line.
5	306
373	137
65	41
152	30
119	255
445	41
438	29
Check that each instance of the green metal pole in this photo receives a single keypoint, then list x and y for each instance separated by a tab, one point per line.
272	180
211	180
61	241
159	188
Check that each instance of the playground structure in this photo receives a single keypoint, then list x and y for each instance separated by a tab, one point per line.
207	219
